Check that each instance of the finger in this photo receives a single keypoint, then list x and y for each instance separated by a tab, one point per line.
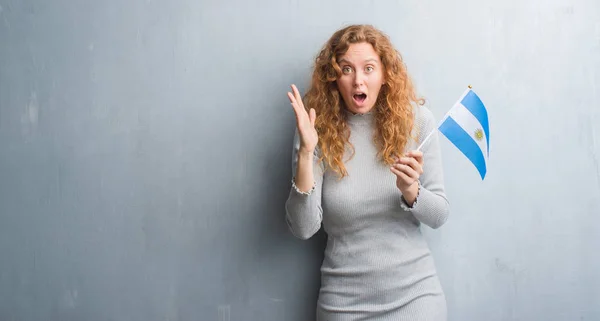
313	116
418	155
291	97
293	101
407	170
299	111
412	162
405	178
294	105
297	95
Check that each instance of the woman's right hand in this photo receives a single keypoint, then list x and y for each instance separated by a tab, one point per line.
305	122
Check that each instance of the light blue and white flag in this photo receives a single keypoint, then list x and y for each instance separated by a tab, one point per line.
466	126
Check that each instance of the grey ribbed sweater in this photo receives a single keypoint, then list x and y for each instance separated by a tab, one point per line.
377	265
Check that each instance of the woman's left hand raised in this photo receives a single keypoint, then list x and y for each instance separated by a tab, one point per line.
408	169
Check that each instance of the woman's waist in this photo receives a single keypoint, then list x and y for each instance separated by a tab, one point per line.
394	260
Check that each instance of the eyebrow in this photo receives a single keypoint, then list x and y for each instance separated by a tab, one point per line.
367	60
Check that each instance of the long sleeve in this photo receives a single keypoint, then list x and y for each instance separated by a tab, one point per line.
303	210
431	206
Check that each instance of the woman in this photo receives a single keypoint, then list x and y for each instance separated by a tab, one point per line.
357	172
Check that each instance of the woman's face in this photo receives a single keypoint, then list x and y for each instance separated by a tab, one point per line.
361	79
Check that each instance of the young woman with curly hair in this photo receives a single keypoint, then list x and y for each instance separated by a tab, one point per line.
358	173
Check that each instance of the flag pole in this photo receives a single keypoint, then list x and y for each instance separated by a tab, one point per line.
431	133
426	138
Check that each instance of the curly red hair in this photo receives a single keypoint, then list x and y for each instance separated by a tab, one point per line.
394	111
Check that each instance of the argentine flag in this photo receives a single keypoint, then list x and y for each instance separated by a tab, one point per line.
466	126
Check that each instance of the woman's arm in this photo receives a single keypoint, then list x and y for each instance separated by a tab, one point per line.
426	198
303	206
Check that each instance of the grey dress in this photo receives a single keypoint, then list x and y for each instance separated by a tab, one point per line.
377	265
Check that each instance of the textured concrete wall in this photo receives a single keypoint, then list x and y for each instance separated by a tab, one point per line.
145	155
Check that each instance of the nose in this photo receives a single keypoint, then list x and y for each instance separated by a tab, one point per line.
359	79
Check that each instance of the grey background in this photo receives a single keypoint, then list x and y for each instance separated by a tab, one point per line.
145	155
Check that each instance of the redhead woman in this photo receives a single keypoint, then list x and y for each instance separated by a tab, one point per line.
358	174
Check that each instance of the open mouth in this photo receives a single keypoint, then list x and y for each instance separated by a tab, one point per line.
360	98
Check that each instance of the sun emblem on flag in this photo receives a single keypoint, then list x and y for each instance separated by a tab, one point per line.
479	134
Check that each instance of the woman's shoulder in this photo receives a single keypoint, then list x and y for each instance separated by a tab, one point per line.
424	119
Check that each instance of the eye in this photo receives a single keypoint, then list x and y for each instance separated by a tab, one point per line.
346	70
370	68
